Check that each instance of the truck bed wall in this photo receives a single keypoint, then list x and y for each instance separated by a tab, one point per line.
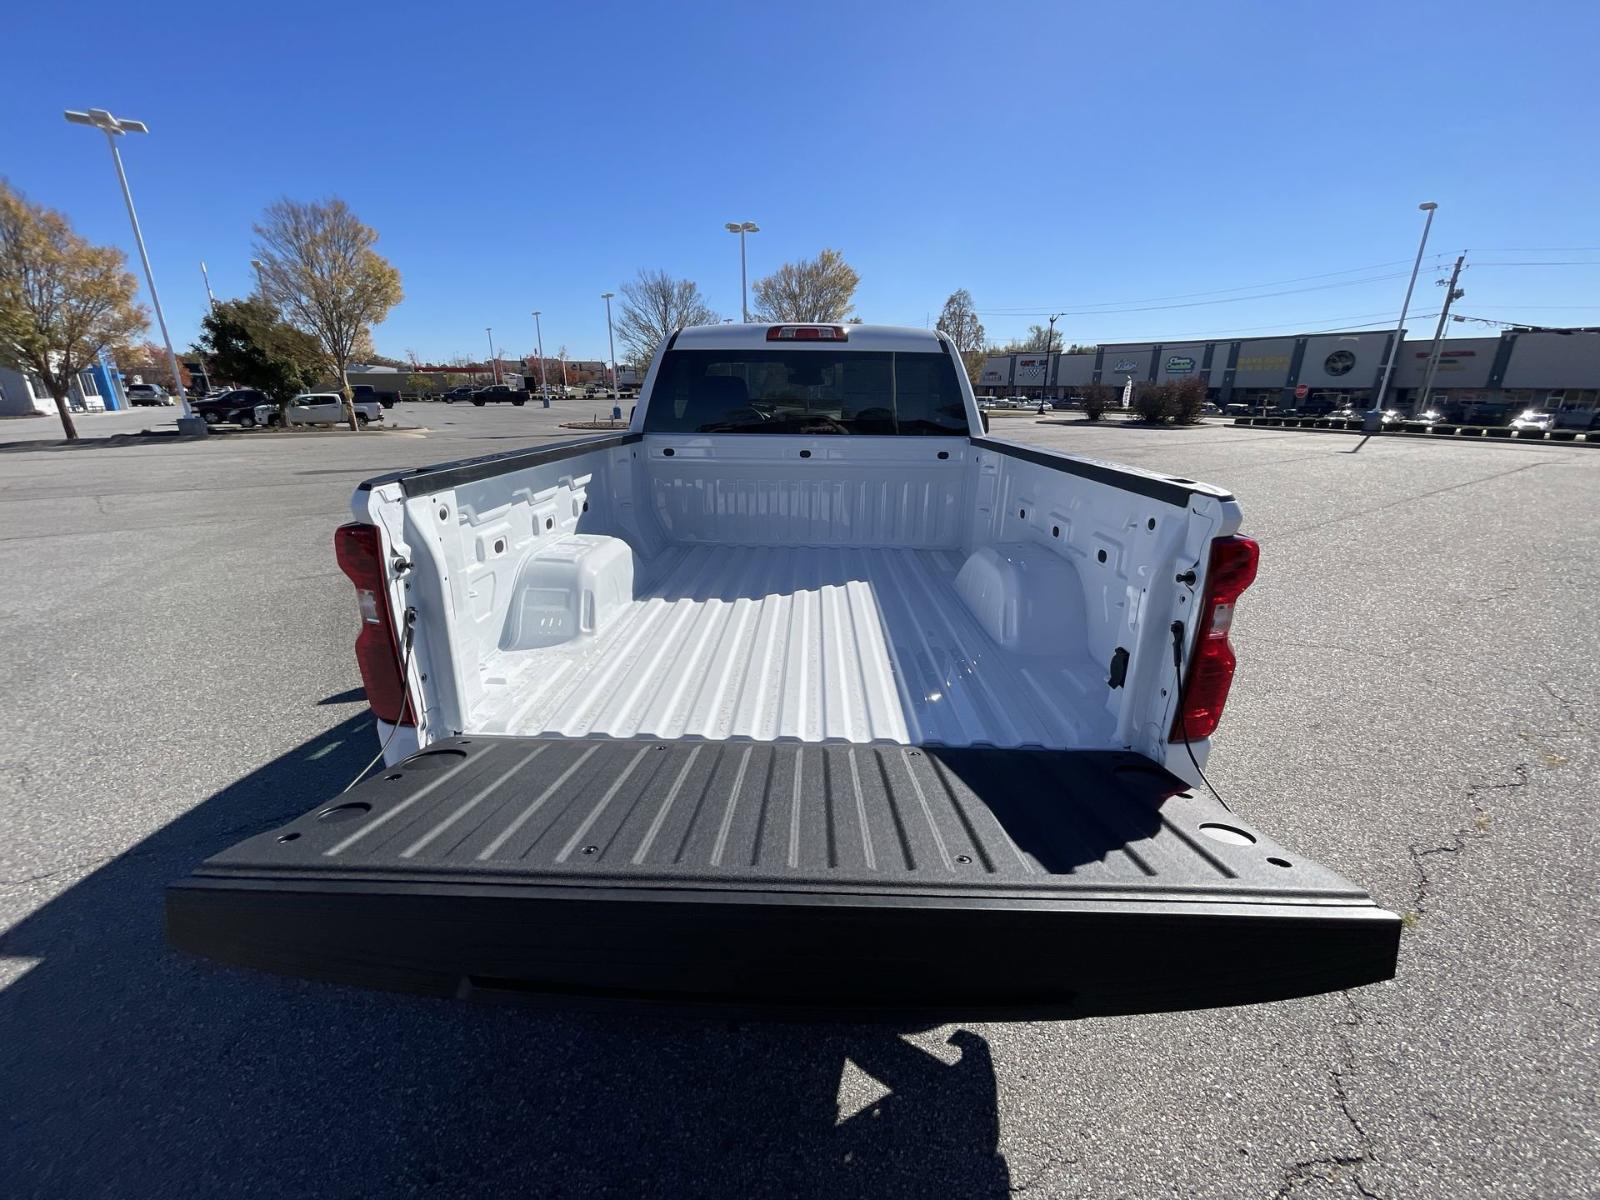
469	538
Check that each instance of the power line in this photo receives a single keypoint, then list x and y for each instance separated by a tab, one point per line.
1027	310
1107	312
1534	250
1386	321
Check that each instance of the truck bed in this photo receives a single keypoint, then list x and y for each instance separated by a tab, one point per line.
877	878
858	644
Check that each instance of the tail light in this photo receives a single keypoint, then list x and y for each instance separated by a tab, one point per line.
807	333
360	552
1211	663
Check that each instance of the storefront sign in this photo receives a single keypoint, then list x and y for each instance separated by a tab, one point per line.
1179	364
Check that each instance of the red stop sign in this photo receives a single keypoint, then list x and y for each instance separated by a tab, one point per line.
1301	392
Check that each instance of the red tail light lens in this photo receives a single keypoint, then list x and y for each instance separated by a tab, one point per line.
360	552
1211	663
807	333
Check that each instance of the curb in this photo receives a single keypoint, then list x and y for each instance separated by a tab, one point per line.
1430	433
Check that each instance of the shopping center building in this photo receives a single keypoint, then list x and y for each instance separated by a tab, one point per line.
1555	369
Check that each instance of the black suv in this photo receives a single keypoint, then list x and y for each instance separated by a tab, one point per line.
237	407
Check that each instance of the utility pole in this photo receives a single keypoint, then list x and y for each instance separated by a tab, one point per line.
1049	343
1451	294
204	274
494	363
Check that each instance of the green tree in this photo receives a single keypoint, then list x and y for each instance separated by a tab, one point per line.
62	299
249	344
960	321
654	305
1038	340
817	289
319	269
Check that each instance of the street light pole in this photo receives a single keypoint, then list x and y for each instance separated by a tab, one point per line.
189	425
742	228
494	365
611	342
204	274
538	334
261	284
1374	418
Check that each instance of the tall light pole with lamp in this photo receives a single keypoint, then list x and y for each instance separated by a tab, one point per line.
742	228
538	336
189	425
261	284
1373	421
494	364
611	342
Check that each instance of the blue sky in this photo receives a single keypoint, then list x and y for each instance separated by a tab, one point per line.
1047	157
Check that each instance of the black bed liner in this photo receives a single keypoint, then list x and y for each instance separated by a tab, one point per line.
866	878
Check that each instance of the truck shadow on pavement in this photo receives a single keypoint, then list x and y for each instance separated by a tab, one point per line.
130	1069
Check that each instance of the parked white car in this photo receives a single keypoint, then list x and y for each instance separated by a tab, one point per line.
327	408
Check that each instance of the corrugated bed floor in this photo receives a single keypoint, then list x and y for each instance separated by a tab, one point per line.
818	644
759	814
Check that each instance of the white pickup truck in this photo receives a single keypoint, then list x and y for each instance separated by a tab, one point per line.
322	408
802	693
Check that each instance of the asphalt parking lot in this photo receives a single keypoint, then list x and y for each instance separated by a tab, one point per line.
1419	666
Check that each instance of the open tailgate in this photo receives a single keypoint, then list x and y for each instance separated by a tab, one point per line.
925	881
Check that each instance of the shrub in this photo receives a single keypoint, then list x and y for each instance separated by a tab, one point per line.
1188	396
1155	403
1096	399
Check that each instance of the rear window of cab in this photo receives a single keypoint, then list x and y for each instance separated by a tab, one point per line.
814	391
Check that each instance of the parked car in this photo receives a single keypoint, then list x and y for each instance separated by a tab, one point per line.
643	743
146	395
234	407
457	393
499	393
327	408
1534	419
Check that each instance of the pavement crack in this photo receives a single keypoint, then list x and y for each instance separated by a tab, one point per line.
1458	840
1569	710
1332	1167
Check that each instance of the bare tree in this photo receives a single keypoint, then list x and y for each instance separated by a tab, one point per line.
653	306
960	321
817	289
62	299
319	268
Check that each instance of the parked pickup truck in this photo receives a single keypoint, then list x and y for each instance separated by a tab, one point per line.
804	693
327	408
500	393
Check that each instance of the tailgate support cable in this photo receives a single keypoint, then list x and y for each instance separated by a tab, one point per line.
1177	662
405	679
